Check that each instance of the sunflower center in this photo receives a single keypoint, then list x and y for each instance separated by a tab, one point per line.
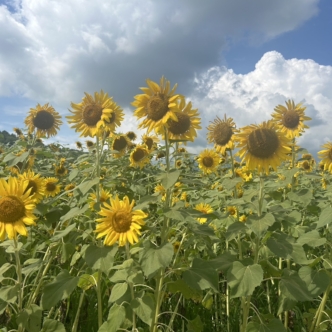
121	221
181	126
157	107
92	114
149	142
306	165
61	170
208	161
263	143
33	185
11	209
290	119
138	155
222	133
119	143
43	120
50	186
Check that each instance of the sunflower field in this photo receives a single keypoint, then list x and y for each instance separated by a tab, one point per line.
137	234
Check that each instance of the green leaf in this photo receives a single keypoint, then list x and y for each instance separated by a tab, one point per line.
325	217
311	239
285	304
259	225
153	258
67	249
316	281
59	235
31	265
273	325
9	293
144	307
195	325
116	317
86	186
169	179
302	196
73	174
223	262
100	258
30	318
51	325
279	245
74	212
173	213
86	281
293	287
60	288
144	202
201	275
235	229
118	291
188	293
243	279
229	184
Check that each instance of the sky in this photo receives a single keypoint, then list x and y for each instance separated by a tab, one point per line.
240	58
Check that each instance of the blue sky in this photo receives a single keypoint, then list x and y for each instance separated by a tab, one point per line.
240	57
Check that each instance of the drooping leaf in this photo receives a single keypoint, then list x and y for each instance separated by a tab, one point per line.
118	291
87	281
60	288
195	325
188	293
86	186
317	281
52	325
260	225
100	258
325	217
153	258
169	179
144	307
116	317
243	280
30	318
201	275
235	229
273	325
74	212
312	239
60	234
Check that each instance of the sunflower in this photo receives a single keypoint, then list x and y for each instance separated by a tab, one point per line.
89	144
262	146
16	206
69	187
51	187
104	196
204	208
182	150
18	131
232	211
119	222
160	154
184	128
120	144
221	133
306	165
178	163
290	119
79	145
35	182
131	135
157	104
45	119
139	157
150	141
61	170
326	156
95	115
160	189
208	161
176	246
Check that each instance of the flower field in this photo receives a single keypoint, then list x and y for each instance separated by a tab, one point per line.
127	233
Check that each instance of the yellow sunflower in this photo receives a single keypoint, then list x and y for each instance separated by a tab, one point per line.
221	133
208	161
306	165
131	135
290	119
16	207
35	182
157	104
45	119
105	195
262	146
326	156
61	170
95	115
69	187
139	157
204	208
51	187
150	141
184	128
119	222
120	143
232	211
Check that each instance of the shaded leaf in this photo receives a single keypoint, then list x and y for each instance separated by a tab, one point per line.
30	318
325	217
259	225
51	325
116	317
100	258
311	239
316	281
118	291
169	179
195	325
144	307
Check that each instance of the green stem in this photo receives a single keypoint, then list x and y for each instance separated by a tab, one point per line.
158	298
169	327
99	299
131	286
19	281
74	329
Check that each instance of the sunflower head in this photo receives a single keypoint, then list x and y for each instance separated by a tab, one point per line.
262	146
131	136
208	161
52	187
44	119
156	105
139	157
89	144
326	156
18	131
16	208
35	183
121	144
204	208
220	132
70	188
232	211
95	115
150	141
290	119
119	222
79	145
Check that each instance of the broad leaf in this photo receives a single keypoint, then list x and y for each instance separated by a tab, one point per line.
116	317
100	258
260	225
316	281
325	217
118	291
169	179
30	318
144	307
51	325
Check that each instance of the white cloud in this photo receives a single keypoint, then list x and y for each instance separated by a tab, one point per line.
53	51
251	98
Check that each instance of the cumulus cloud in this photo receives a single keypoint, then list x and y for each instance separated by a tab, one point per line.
251	98
52	51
